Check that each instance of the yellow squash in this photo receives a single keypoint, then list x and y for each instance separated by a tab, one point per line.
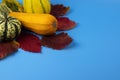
44	24
37	6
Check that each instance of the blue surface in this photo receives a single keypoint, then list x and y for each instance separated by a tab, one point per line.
93	55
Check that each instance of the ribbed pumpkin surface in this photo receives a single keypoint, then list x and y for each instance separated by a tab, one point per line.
10	27
37	6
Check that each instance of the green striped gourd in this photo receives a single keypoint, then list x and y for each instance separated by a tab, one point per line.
37	6
10	27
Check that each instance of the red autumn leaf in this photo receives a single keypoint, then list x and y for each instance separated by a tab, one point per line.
7	48
29	42
59	10
57	41
65	24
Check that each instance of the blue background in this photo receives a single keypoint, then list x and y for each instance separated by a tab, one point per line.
93	55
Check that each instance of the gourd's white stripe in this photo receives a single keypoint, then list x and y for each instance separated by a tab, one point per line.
1	21
5	31
16	29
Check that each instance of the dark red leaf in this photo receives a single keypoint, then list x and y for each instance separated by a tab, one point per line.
29	42
57	41
7	48
59	10
65	24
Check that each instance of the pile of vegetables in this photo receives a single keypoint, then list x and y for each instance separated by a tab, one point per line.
32	25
